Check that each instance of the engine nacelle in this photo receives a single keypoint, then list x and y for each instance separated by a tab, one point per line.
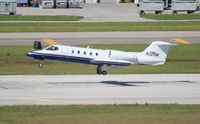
37	45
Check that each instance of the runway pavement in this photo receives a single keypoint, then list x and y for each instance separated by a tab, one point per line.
98	89
77	38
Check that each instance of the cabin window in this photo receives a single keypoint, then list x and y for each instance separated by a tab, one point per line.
52	48
97	54
72	51
90	53
56	48
78	52
84	53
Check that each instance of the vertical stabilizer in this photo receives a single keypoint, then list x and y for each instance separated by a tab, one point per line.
155	54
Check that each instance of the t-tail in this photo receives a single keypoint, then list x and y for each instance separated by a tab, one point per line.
154	54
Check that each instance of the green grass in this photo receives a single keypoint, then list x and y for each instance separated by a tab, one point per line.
181	59
101	114
100	26
172	17
39	18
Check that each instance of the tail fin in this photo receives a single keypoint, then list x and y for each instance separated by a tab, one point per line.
155	54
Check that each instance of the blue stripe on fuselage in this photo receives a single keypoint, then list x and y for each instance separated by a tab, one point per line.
83	60
42	56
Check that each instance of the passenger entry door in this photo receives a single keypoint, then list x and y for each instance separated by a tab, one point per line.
109	54
65	52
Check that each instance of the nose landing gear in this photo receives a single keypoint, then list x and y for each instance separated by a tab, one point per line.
102	69
41	64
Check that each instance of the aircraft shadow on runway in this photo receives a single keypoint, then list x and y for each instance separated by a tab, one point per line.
121	83
124	83
135	83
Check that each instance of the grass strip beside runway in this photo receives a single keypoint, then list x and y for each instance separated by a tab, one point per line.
101	114
181	59
100	26
172	17
39	18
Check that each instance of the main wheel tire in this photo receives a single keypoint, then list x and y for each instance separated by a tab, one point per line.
142	13
175	12
12	13
99	72
104	72
189	12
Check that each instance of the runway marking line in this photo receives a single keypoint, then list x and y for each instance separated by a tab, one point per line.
56	101
182	41
42	100
50	41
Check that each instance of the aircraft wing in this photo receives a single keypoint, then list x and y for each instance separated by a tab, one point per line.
110	62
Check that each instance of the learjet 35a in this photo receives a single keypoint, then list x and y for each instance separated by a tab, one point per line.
154	54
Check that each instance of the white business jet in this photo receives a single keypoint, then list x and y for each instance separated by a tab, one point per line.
154	54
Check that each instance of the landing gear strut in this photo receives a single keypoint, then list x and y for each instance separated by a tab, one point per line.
102	69
41	64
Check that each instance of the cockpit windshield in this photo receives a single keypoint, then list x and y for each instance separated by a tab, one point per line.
52	48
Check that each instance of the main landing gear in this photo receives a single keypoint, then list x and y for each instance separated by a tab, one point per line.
41	64
102	69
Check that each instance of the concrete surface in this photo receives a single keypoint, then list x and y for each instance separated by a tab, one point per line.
76	38
98	89
92	12
103	12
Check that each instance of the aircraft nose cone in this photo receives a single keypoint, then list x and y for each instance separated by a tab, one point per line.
29	54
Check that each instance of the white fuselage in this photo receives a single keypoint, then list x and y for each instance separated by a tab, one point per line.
80	53
154	54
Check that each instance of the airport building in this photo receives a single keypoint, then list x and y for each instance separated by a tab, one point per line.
35	3
28	2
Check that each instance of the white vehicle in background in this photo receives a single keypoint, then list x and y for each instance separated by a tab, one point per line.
8	7
155	54
60	4
189	6
156	6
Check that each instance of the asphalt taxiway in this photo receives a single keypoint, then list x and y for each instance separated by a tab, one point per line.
77	38
98	89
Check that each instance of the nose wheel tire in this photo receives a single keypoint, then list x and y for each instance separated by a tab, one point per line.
41	64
